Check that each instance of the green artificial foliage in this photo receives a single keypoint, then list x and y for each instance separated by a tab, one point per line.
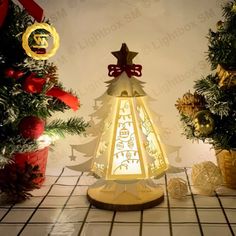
17	103
222	43
16	183
72	126
218	91
219	101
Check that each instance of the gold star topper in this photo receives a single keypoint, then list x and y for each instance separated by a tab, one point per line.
124	56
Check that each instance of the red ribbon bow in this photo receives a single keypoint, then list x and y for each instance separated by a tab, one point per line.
116	70
35	85
30	6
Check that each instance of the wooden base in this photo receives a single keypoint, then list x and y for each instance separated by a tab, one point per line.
118	196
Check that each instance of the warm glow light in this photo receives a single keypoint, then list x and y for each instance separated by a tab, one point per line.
130	146
44	141
125	154
153	144
128	154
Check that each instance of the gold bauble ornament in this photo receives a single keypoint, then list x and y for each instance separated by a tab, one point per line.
203	123
219	25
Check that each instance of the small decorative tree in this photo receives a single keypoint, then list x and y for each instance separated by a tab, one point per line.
30	92
209	114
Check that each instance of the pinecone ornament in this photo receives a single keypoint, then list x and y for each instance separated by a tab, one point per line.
190	104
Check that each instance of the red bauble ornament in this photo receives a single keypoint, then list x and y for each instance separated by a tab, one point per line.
9	73
31	127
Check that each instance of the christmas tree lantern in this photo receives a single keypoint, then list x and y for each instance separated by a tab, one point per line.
128	151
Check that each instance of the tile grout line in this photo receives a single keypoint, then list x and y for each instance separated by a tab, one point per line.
120	222
112	223
70	207
9	209
225	215
141	224
168	206
64	206
37	207
194	203
85	218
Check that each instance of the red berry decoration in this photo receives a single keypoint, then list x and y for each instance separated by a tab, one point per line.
18	74
9	73
31	127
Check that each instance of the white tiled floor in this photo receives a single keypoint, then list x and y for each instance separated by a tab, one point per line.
125	229
211	216
183	215
95	229
215	229
206	201
155	229
61	207
231	214
10	230
72	215
45	216
186	229
155	215
17	215
133	216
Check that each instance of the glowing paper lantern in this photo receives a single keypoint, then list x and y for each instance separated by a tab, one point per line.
128	149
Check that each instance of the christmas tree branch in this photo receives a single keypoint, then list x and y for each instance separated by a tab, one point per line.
218	102
73	126
15	144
